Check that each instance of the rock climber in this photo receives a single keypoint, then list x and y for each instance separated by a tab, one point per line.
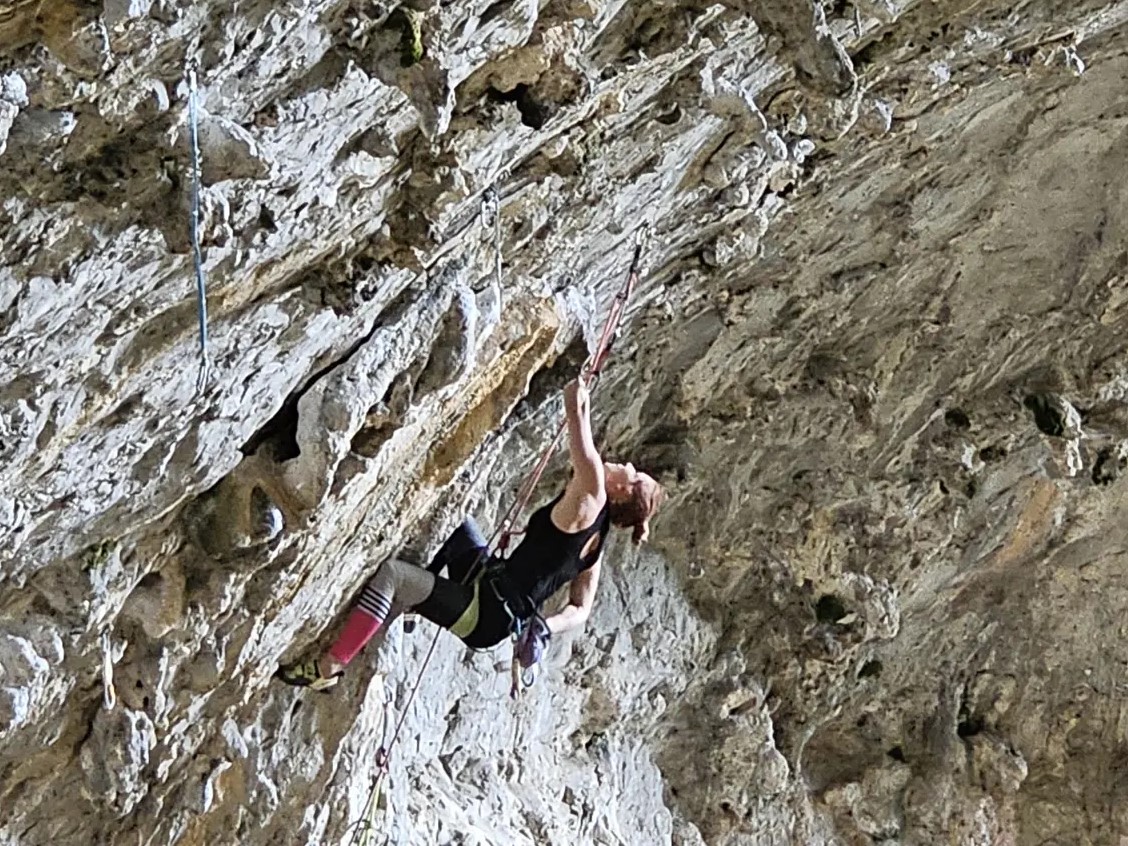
563	543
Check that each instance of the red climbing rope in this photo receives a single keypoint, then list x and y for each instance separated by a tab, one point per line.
591	372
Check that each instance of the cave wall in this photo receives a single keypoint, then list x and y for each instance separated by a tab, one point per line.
876	357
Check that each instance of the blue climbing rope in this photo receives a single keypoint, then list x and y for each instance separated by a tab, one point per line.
194	228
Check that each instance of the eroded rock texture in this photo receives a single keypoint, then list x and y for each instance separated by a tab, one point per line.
878	357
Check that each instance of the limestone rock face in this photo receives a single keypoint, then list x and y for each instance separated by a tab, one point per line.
878	357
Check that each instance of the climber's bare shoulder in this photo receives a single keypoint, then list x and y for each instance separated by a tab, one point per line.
580	506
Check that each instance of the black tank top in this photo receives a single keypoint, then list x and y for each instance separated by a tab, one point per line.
547	558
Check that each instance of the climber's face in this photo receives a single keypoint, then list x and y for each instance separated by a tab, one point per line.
633	498
619	480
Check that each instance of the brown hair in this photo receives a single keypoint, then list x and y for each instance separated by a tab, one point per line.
637	508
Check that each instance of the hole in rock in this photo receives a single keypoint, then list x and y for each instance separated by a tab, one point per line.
150	580
970	727
992	453
533	113
829	609
551	380
1047	417
870	669
957	419
280	432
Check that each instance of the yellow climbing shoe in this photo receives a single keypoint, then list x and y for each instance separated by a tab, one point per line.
305	674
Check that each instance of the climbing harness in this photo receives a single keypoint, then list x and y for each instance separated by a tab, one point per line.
109	693
528	629
194	227
504	532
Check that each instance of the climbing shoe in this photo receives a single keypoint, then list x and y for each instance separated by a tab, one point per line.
306	674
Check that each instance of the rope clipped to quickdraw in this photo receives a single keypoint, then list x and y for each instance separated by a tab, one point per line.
590	373
366	825
194	227
499	540
610	334
363	828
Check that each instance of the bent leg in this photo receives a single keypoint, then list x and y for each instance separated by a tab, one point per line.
396	581
460	551
396	584
452	605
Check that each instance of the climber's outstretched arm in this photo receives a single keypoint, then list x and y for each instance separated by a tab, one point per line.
587	478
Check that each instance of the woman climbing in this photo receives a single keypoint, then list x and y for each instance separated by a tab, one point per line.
562	544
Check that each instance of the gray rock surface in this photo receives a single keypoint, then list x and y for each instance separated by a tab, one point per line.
878	358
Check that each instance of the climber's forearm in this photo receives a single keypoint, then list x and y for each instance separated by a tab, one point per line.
581	598
567	618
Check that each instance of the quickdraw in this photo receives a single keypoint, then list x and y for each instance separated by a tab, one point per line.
109	692
491	216
194	228
364	828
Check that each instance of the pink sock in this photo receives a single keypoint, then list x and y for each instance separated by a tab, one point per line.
358	630
372	609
